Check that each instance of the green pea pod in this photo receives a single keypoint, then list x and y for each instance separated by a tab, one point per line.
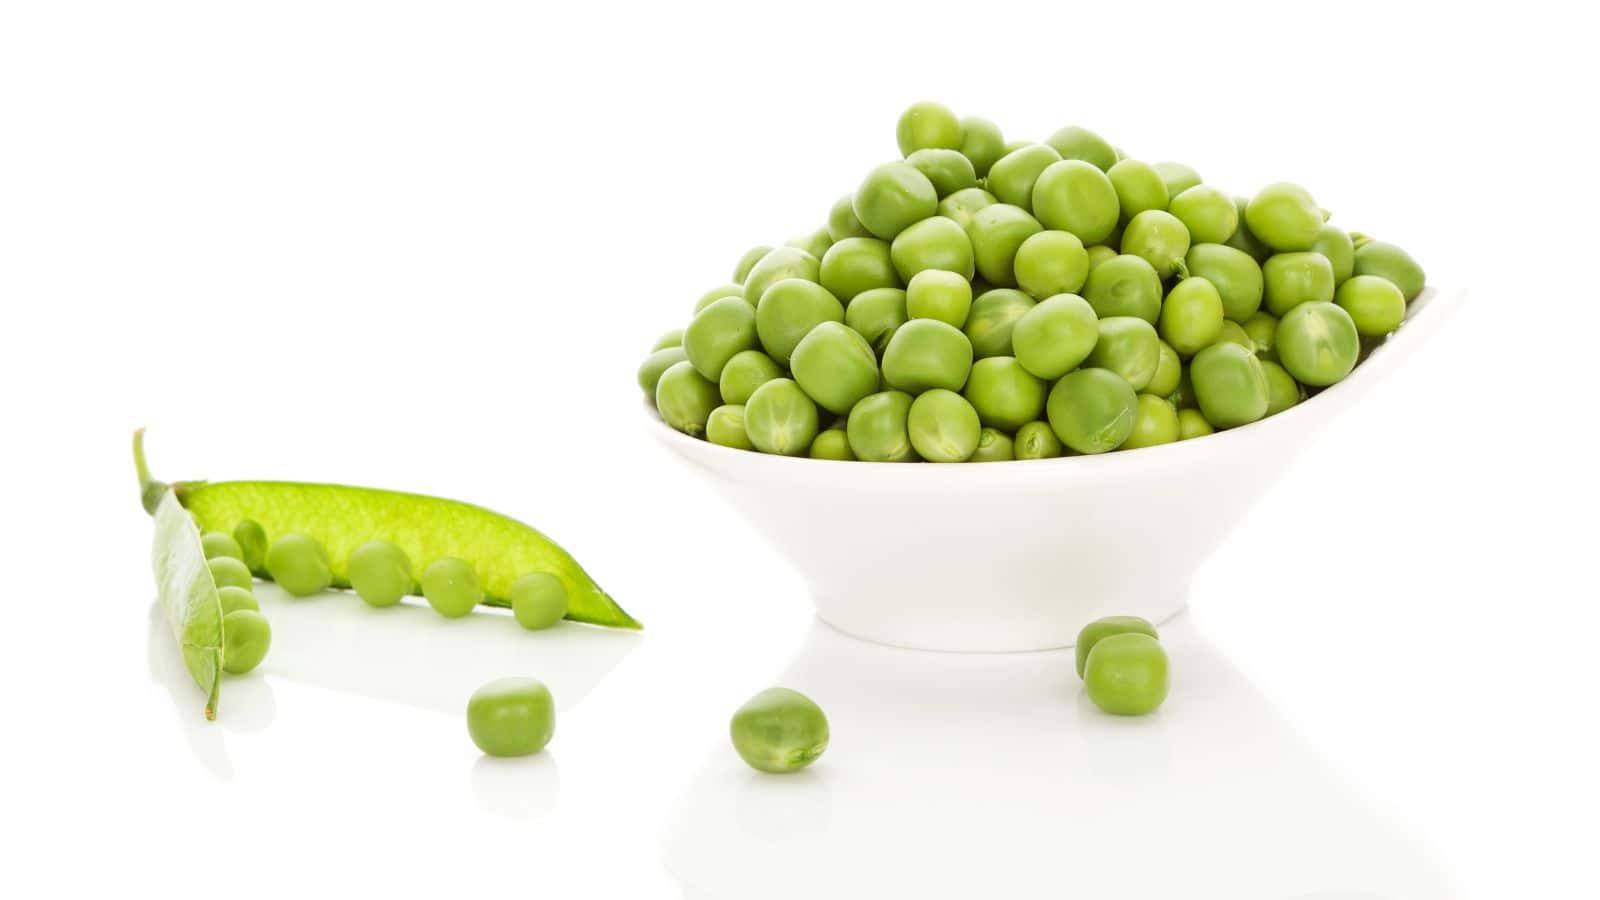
188	595
342	518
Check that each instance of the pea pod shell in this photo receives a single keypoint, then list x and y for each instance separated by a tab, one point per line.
188	595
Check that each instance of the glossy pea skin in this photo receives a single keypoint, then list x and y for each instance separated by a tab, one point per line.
657	363
1295	278
380	573
217	543
994	445
1126	674
927	124
252	541
1192	424
780	418
1098	254
226	571
1282	390
1155	422
779	731
299	564
963	205
948	170
685	399
1092	410
855	265
938	294
835	366
1075	196
993	316
876	428
780	264
234	597
1050	263
1242	240
1229	385
1100	629
1375	304
672	338
1234	273
741	269
1207	212
1004	394
1013	176
943	427
1139	187
745	372
726	327
789	310
725	427
246	637
876	315
933	243
1176	176
1125	285
1157	237
1318	344
1169	371
1192	315
1262	329
1036	440
1055	336
1335	244
997	232
712	296
1234	333
1284	217
1183	396
814	242
538	600
511	717
1076	143
1385	260
1129	347
981	143
842	221
893	197
926	354
832	444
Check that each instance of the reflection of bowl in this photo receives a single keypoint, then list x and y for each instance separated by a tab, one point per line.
1018	556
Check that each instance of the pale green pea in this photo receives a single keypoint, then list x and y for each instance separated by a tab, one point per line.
832	444
1155	422
1050	263
299	564
1092	410
1076	196
1036	440
938	294
876	315
779	731
1005	395
745	372
725	427
964	204
1282	390
1157	237
981	143
1012	177
1207	212
993	317
943	426
1129	347
742	268
233	597
252	539
1192	424
1169	370
1177	177
876	428
1139	187
380	573
451	587
855	265
994	445
225	571
217	543
1055	336
718	332
1375	304
1192	316
246	636
538	600
948	170
655	365
673	338
685	398
780	418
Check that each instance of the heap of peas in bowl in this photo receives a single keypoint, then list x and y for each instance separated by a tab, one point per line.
983	300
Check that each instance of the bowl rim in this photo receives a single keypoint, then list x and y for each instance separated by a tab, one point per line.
1424	314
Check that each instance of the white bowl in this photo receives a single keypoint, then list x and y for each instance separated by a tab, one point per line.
1016	556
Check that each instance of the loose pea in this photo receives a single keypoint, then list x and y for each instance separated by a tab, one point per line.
1129	347
1191	317
1157	237
892	197
234	597
938	294
855	265
1207	212
246	637
741	269
1036	440
1076	143
1013	176
1005	395
780	418
725	427
789	310
981	142
927	124
1375	304
1076	196
225	571
1139	187
964	204
1055	336
657	363
1124	286
726	327
997	232
948	170
994	445
1192	424
1169	371
1318	343
1295	278
1092	410
1333	243
926	354
779	731
1155	422
216	543
252	540
673	338
511	717
538	600
380	573
836	366
781	264
876	429
684	398
1229	385
1177	177
1233	272
451	587
1050	263
1284	217
876	315
832	444
1096	631
1126	674
992	319
943	426
1388	261
746	371
842	221
1282	390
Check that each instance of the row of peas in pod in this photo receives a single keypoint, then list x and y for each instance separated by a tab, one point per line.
983	300
379	572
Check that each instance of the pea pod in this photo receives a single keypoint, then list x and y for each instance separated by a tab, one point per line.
342	518
188	595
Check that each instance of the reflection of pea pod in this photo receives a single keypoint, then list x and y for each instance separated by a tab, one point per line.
188	595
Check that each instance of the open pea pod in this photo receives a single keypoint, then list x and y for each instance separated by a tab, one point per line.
188	595
342	518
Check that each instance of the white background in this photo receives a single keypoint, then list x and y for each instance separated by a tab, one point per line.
423	246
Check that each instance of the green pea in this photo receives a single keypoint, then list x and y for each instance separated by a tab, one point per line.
234	597
1012	177
1176	176
1318	343
1234	333
1183	396
726	327
1295	278
217	543
673	338
451	587
964	204
780	418
981	142
943	426
893	197
1128	347
1284	217
1055	336
876	315
746	371
1375	304
927	124
1005	395
1207	212
1092	410
1282	390
842	221
1191	317
948	170
1050	263
933	243
656	364
1333	243
299	564
835	366
1036	440
1126	674
1262	329
1073	195
725	427
781	264
1169	371
1139	187
1155	422
741	269
993	317
1099	629
1233	272
994	445
715	294
225	571
832	444
1075	143
1192	424
685	399
997	232
380	573
855	265
1124	286
1229	385
538	600
926	354
246	637
1157	237
1242	240
511	717
1388	261
1098	254
779	731
938	294
789	310
252	539
876	428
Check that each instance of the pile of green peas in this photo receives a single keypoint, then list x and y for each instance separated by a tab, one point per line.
981	300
